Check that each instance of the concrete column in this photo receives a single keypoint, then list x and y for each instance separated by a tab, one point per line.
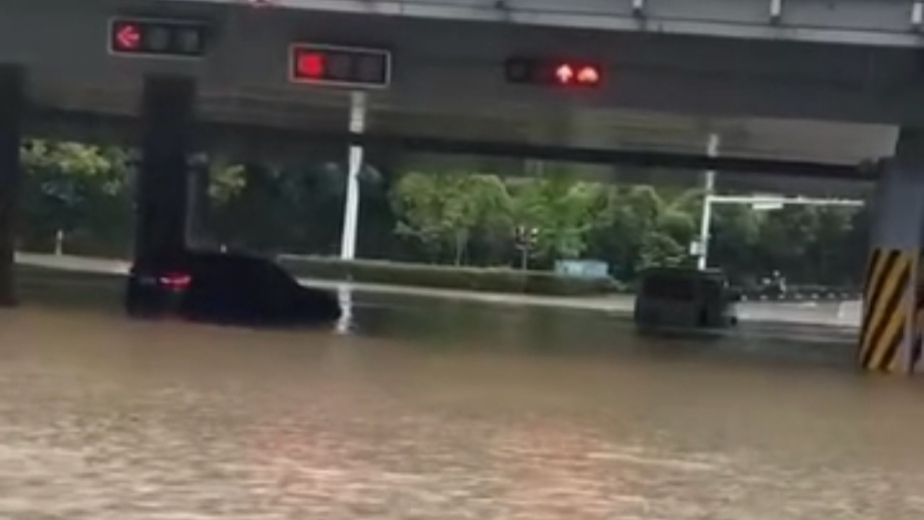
198	207
167	114
12	101
887	331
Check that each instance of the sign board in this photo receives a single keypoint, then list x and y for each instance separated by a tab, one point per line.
697	248
582	268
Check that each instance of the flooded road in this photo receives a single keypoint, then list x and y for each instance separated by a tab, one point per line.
441	410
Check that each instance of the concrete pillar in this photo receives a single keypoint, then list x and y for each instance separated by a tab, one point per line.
198	207
167	114
12	101
887	330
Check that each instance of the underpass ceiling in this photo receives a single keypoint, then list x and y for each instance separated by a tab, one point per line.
572	126
282	147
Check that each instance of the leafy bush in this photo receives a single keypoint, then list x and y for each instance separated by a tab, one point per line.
442	277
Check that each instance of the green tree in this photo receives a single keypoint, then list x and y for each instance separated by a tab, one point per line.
785	237
733	239
441	210
77	189
658	249
455	217
562	212
629	216
677	225
829	252
226	181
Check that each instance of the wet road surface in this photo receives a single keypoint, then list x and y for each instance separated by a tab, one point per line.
441	410
825	312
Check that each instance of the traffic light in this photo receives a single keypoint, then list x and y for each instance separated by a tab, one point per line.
552	72
140	37
334	65
525	237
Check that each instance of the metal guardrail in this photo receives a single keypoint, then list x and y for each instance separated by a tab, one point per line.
802	294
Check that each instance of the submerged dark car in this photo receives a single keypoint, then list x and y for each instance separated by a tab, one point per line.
685	298
225	288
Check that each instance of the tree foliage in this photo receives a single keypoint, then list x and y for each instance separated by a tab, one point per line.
456	217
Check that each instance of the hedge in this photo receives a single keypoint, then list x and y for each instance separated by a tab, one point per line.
442	277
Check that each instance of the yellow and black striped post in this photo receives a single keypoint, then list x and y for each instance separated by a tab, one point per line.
886	334
888	329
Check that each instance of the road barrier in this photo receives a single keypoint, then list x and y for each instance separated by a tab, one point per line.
883	331
796	294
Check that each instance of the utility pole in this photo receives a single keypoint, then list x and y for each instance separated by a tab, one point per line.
712	150
525	239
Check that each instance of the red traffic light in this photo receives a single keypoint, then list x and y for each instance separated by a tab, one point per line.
334	65
564	73
126	36
572	74
309	65
539	71
146	37
588	75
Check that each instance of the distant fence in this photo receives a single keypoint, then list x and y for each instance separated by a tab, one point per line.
801	293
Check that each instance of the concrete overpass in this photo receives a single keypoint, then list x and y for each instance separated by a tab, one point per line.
448	76
715	64
863	22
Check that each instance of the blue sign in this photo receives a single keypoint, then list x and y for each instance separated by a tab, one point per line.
582	268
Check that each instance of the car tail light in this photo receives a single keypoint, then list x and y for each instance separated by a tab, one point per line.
175	281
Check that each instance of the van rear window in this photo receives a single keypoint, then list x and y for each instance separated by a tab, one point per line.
669	287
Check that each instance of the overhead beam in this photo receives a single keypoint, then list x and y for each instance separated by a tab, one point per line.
232	137
633	158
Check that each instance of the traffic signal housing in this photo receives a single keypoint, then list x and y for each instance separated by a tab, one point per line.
162	38
553	72
525	237
335	65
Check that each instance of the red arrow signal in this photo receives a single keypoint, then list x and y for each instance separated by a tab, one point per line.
564	73
146	37
128	36
588	75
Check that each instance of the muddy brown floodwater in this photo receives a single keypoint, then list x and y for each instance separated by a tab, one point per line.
432	410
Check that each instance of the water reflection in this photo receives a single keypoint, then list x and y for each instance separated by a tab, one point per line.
345	298
443	411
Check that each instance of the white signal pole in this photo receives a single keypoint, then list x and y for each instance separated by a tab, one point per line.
712	150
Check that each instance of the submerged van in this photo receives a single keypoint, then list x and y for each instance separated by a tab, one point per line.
685	298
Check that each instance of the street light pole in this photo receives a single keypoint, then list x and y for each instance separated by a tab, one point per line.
775	202
712	150
768	203
354	165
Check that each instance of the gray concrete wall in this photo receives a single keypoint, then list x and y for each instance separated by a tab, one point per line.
874	22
